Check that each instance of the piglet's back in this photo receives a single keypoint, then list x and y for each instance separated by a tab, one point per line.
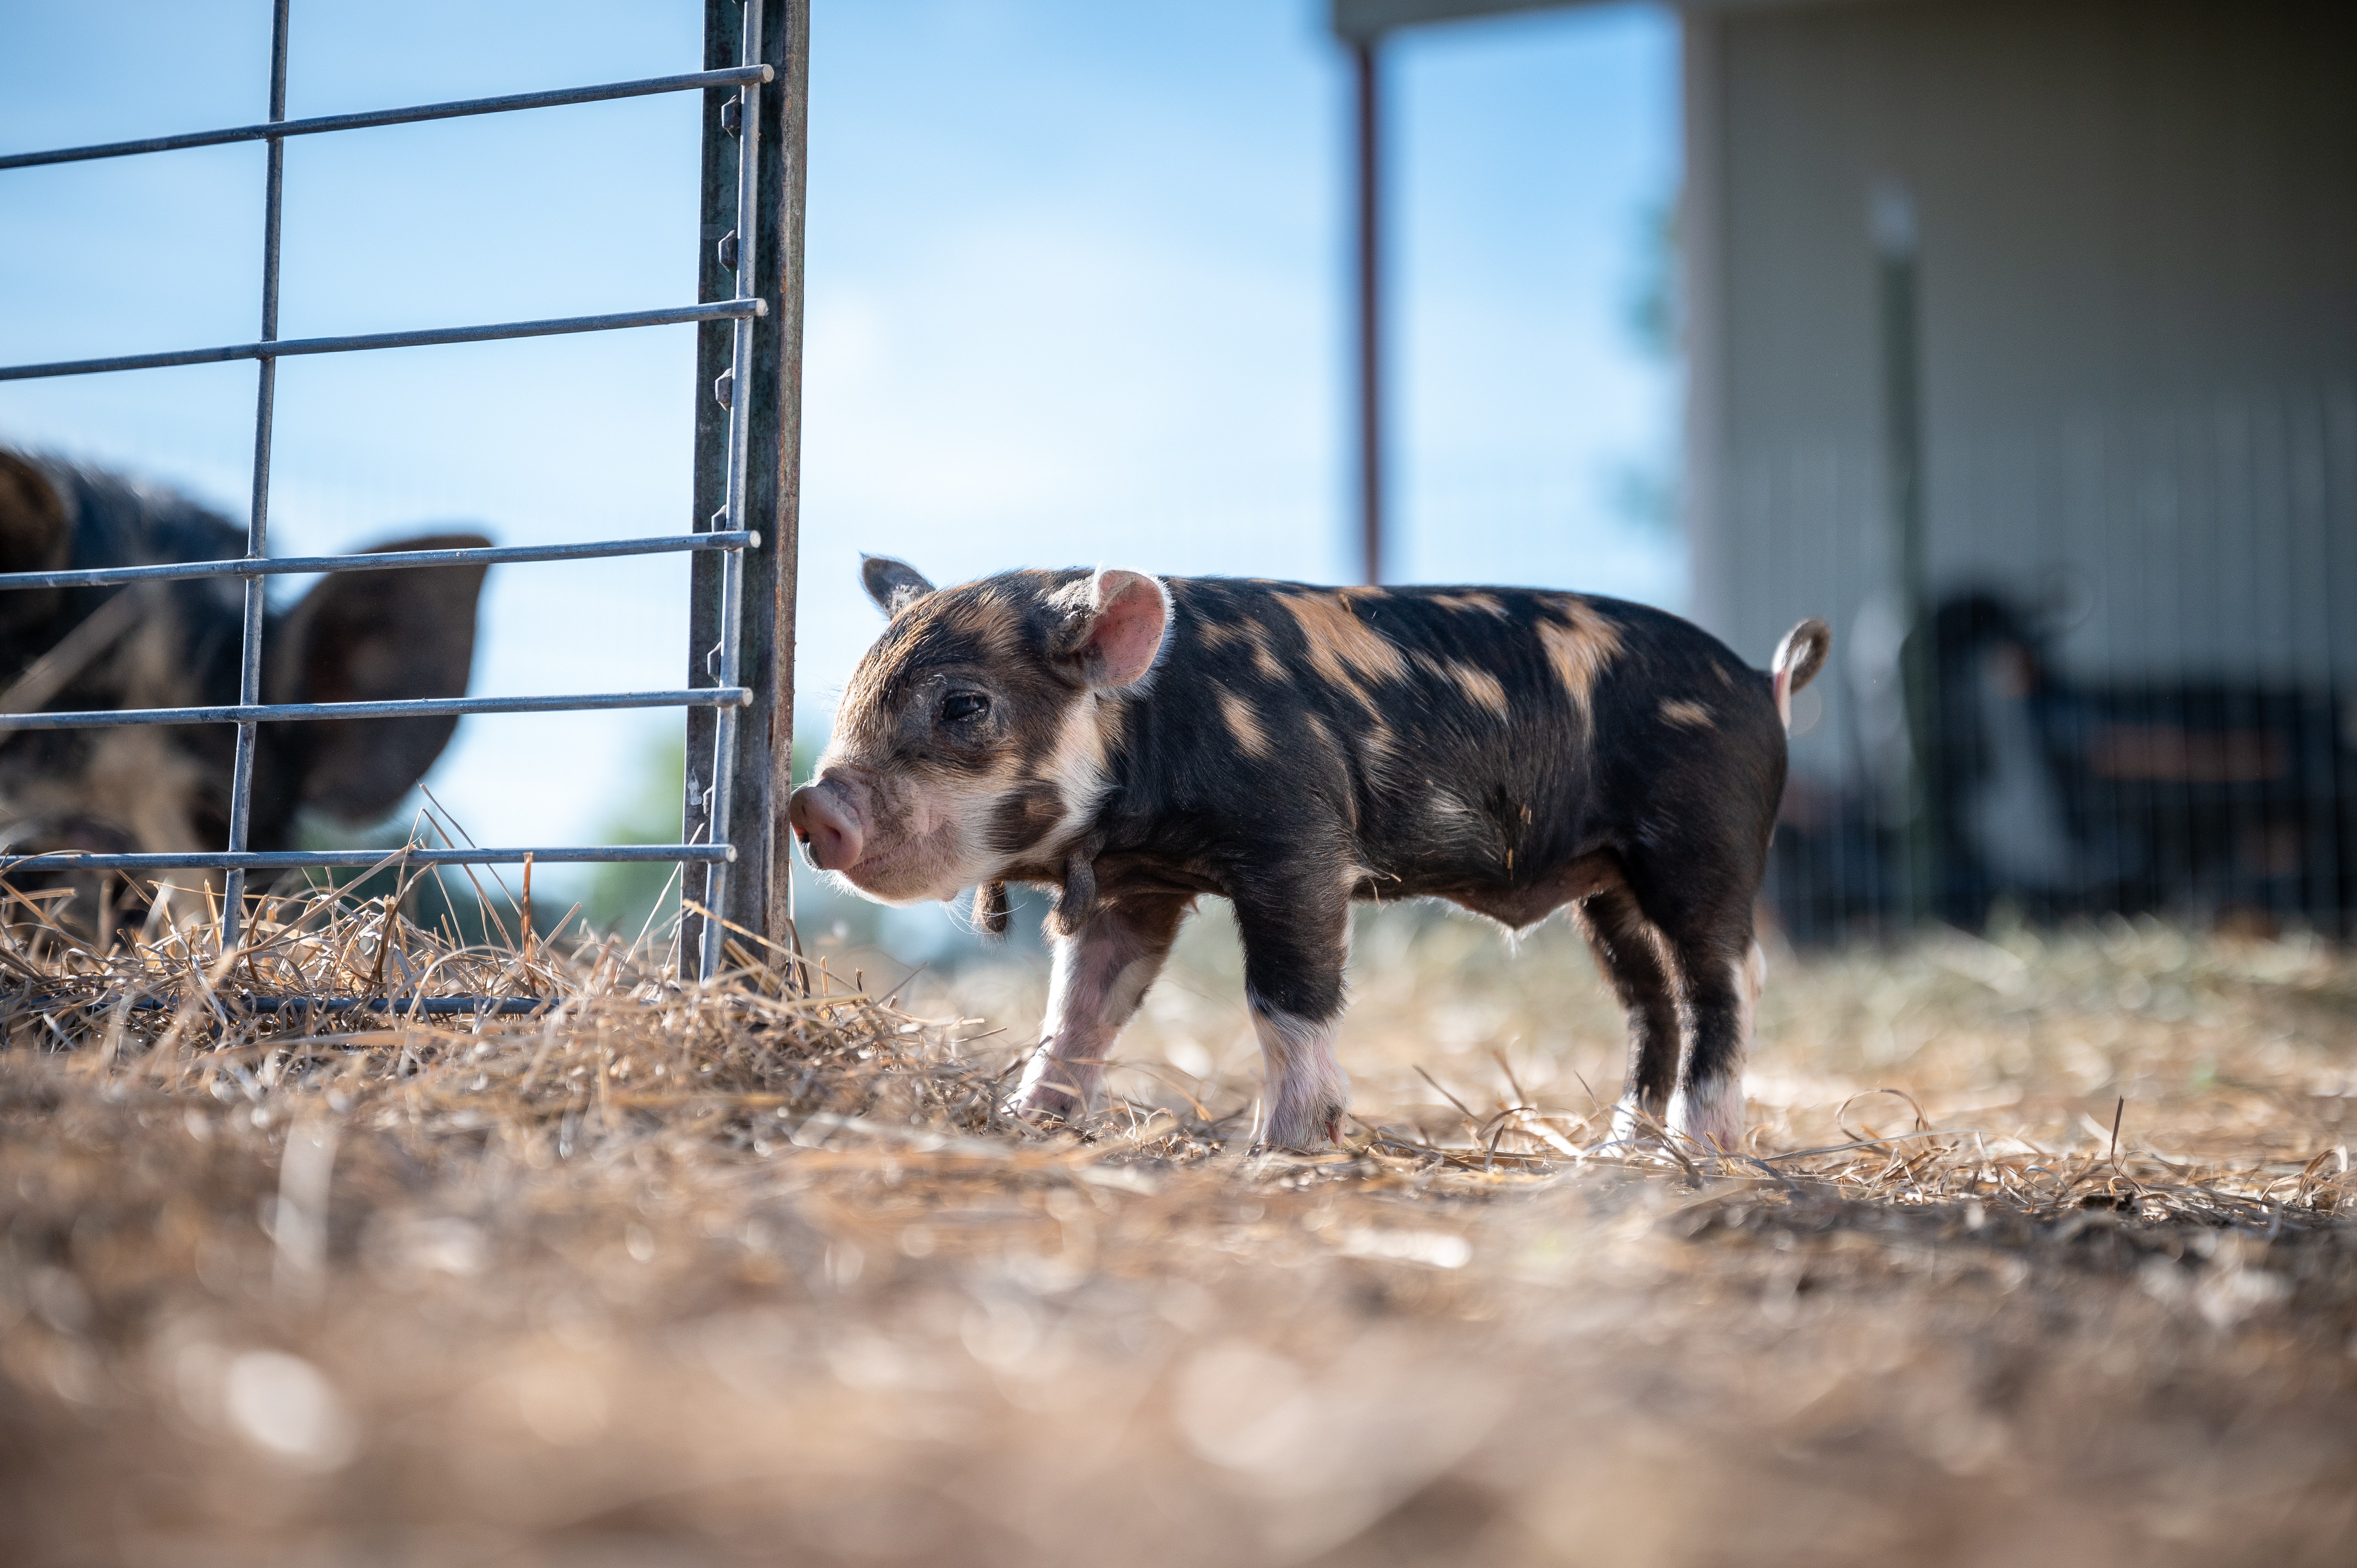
1274	667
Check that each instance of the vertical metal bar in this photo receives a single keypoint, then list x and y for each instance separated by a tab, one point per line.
714	346
760	880
2337	516
2247	704
257	525
740	408
2310	563
1894	231
1370	302
2159	451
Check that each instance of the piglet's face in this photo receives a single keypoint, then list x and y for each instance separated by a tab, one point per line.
973	737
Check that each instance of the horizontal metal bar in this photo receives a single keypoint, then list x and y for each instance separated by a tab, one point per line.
423	707
283	348
340	859
740	76
380	561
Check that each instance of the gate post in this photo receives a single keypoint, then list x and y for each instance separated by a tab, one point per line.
758	889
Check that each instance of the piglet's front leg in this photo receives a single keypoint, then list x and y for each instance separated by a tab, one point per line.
1100	973
1296	937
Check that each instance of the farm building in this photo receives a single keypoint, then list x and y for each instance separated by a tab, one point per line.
2031	324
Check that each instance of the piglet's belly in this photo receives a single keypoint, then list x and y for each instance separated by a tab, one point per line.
1514	904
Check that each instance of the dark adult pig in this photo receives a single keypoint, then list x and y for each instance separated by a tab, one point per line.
361	636
1136	743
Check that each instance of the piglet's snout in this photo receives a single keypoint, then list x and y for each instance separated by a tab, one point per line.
826	824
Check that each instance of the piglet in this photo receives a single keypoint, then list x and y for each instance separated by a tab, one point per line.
1136	743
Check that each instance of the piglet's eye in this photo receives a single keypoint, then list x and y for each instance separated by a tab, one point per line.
962	705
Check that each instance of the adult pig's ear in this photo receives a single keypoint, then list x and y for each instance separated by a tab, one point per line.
1118	622
364	637
35	535
893	585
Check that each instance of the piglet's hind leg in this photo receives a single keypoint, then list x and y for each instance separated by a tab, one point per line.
1706	1110
1629	952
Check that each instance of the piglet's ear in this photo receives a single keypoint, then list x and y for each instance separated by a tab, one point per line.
1120	629
893	585
372	636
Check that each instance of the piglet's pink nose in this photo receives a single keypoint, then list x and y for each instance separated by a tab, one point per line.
826	824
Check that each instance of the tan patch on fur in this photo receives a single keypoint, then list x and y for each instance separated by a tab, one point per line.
1344	650
1579	644
1077	765
1247	635
1481	689
1487	604
1323	736
1691	715
1243	725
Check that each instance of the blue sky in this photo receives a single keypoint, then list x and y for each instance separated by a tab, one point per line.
1077	293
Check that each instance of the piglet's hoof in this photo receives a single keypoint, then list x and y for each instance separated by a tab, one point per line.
1708	1116
1635	1127
1042	1100
1308	1130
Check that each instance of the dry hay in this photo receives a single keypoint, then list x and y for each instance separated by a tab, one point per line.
751	1270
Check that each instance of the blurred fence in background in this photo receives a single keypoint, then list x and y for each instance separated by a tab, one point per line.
2144	677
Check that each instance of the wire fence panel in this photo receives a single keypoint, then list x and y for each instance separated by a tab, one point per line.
246	715
278	130
379	561
2145	692
374	859
271	349
746	47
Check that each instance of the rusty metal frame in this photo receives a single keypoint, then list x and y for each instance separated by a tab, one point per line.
739	788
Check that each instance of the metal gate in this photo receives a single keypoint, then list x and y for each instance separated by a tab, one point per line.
739	692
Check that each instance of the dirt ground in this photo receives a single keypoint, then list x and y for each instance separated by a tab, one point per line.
741	1276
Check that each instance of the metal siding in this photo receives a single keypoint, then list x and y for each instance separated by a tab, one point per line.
2137	335
2140	263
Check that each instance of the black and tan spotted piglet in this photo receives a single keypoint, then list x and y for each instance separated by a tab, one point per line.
1136	743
